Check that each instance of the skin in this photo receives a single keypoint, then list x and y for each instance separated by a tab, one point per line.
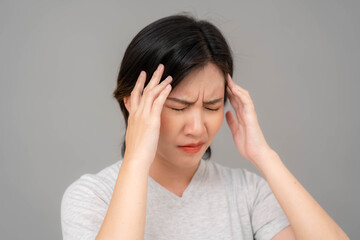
154	125
197	121
307	218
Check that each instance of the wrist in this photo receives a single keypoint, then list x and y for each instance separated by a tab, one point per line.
137	160
265	160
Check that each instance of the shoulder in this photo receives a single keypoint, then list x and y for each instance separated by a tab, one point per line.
246	185
240	176
84	203
98	184
267	217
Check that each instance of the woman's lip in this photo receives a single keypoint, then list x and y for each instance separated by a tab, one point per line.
191	149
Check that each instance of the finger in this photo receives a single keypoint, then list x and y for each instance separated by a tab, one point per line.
243	106
232	98
137	90
160	100
243	97
236	88
237	105
240	94
246	102
156	77
236	128
245	112
148	96
231	120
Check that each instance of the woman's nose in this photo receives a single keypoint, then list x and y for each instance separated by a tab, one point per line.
195	124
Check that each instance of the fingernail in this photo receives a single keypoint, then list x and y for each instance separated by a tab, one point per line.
160	67
168	78
142	73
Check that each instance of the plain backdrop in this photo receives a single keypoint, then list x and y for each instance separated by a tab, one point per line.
58	66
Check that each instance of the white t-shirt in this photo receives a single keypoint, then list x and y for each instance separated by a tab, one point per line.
219	203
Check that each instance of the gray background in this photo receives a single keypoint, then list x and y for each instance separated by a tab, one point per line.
59	61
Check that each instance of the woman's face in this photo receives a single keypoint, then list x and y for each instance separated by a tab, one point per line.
192	115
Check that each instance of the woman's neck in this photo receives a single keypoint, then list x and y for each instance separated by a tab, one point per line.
172	177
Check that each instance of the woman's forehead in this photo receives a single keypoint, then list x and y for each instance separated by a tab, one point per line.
198	91
209	79
195	91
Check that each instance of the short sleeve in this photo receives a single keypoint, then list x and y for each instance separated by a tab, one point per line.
83	209
267	216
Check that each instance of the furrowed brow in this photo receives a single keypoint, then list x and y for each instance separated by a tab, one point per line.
212	102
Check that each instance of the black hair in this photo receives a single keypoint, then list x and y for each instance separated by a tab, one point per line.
182	44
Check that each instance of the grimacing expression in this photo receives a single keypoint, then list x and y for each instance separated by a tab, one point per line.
192	113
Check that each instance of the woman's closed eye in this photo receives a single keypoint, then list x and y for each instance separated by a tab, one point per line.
183	109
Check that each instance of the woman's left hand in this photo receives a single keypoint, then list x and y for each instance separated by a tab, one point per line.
245	128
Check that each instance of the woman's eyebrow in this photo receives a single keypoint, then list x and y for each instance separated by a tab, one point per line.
211	102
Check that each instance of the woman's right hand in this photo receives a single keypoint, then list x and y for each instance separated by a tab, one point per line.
144	106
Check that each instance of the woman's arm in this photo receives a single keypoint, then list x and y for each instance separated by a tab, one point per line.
308	220
126	215
125	218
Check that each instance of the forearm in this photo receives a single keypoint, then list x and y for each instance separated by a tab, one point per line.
306	216
125	218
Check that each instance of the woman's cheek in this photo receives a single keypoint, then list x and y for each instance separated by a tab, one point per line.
168	122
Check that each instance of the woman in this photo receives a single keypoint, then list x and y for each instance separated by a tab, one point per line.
174	81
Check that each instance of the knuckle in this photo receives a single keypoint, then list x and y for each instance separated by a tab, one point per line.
249	106
146	91
150	94
157	101
133	115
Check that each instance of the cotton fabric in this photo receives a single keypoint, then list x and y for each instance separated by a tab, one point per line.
219	203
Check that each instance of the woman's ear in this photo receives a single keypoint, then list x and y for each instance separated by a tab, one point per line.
127	103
